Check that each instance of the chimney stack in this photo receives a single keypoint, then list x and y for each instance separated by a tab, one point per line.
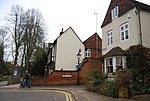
61	31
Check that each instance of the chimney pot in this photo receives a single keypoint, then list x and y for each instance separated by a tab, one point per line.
61	31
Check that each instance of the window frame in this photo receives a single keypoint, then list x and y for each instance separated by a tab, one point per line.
109	38
124	32
121	62
88	53
109	66
115	12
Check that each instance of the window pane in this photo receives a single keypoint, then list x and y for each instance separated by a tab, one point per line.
108	41
111	33
119	61
111	61
111	40
126	34
122	28
122	35
116	12
126	26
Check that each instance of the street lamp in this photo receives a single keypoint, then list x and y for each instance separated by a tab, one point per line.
45	71
45	74
78	66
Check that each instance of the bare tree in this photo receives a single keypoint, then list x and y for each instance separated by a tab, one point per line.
3	42
28	31
15	28
34	33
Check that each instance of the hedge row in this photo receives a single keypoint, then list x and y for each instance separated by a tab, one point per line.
106	88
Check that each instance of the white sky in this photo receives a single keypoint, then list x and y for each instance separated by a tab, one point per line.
58	14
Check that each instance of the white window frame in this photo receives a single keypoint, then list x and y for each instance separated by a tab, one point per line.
109	65
119	62
109	38
88	53
114	12
124	32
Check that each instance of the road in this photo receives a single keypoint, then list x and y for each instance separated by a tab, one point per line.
27	94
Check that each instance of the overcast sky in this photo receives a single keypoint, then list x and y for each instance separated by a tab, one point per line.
58	14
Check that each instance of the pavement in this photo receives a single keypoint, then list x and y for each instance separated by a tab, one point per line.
80	93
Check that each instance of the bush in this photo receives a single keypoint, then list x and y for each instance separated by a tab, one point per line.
5	78
136	86
102	86
95	77
111	89
147	90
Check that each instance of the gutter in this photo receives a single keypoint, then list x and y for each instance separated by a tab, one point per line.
140	28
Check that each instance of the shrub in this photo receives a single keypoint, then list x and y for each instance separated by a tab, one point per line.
102	86
111	89
90	86
5	78
147	90
136	86
94	78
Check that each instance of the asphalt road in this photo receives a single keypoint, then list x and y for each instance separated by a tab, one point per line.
26	94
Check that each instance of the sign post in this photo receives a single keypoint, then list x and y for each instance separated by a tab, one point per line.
16	70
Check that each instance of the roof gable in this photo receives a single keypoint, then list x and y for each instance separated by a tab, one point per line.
91	41
70	28
124	6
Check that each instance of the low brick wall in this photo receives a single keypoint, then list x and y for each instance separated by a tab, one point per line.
63	78
41	82
59	78
70	77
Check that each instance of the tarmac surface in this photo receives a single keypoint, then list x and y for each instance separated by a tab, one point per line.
80	93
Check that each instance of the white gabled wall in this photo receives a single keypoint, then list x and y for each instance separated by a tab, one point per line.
68	45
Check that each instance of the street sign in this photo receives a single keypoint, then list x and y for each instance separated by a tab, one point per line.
15	72
78	66
16	65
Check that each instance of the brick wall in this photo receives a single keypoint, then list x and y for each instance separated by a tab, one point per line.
70	77
62	78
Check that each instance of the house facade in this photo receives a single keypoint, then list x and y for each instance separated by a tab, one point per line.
62	59
127	23
62	53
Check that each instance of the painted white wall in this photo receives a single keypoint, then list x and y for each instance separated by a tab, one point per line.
68	45
145	24
132	18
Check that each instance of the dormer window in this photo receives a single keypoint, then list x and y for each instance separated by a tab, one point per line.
115	12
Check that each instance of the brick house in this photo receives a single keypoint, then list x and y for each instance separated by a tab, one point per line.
93	47
127	22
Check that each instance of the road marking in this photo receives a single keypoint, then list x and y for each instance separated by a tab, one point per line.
67	94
